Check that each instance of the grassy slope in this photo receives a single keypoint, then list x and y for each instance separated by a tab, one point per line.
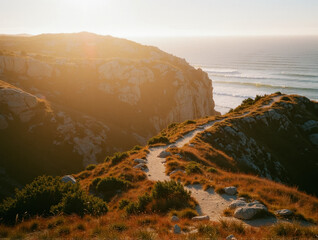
149	226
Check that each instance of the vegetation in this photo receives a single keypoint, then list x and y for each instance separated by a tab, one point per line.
193	168
91	167
158	139
116	158
46	196
108	187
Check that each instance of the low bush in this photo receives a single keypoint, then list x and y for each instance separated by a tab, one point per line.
187	213
108	187
123	203
118	157
212	170
193	168
169	195
158	139
190	122
91	167
46	196
165	196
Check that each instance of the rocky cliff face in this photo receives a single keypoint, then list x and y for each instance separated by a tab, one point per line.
275	137
88	96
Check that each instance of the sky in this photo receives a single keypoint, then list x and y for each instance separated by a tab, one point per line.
142	18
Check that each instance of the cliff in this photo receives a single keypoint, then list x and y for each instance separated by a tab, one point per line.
105	95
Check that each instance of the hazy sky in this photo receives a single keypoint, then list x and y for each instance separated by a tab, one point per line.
126	18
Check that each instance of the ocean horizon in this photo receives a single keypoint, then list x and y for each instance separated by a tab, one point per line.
243	67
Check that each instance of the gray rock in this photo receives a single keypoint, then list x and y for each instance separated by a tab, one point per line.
139	160
309	125
230	190
164	154
201	218
177	170
176	229
68	178
249	211
141	166
174	219
172	146
237	203
284	212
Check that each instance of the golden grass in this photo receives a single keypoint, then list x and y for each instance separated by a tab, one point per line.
115	225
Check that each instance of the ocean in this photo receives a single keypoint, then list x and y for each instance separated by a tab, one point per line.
243	67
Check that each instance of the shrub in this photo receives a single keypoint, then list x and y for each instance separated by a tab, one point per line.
108	187
123	203
169	195
187	213
192	168
158	139
171	125
140	205
80	203
118	157
212	170
137	147
42	196
91	167
189	122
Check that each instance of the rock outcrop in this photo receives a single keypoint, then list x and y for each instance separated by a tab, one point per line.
275	138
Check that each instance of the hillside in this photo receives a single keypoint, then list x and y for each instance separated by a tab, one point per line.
274	137
105	95
141	205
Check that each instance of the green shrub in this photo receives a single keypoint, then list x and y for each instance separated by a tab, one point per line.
118	157
137	147
192	168
158	139
212	170
41	197
81	204
187	213
108	187
123	203
171	125
189	122
140	205
91	167
169	195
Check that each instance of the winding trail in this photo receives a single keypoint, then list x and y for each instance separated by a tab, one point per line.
209	202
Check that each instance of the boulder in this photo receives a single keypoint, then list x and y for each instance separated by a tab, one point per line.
230	190
249	211
68	178
174	219
141	166
284	212
164	154
176	229
139	160
201	218
237	203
